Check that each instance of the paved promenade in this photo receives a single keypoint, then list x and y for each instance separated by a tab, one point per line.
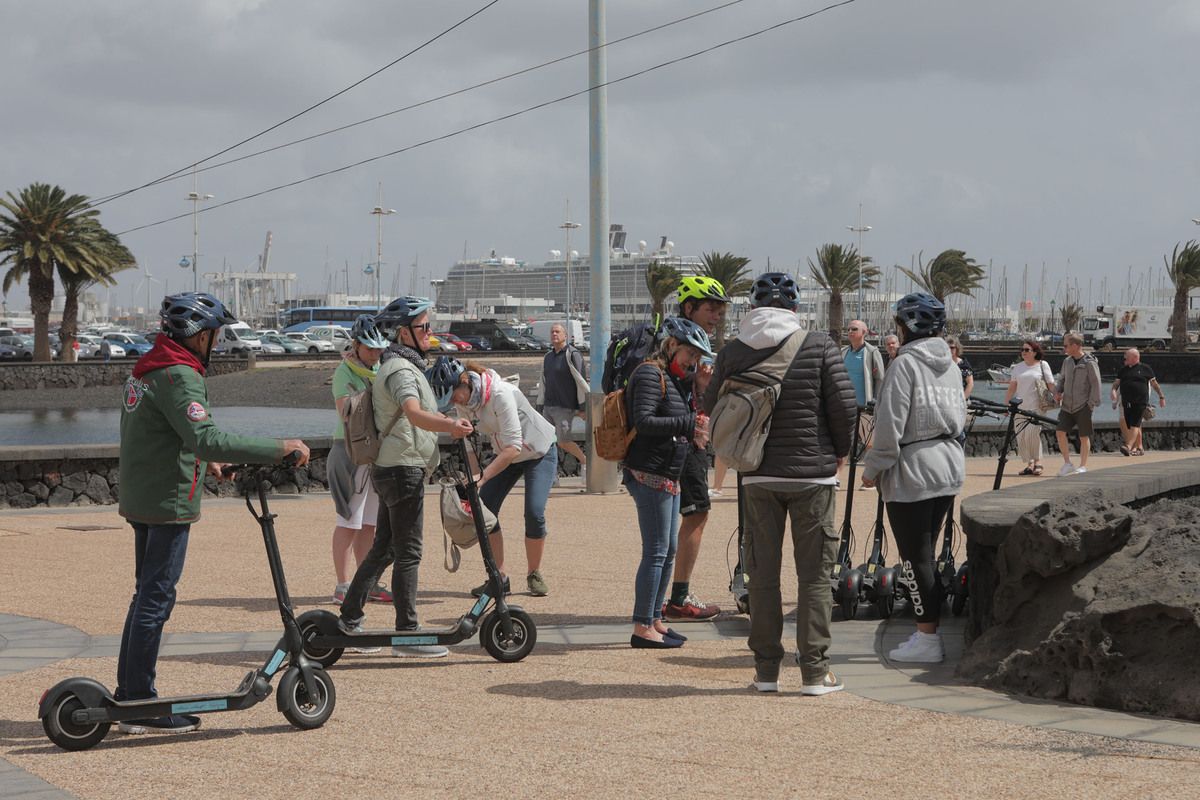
583	716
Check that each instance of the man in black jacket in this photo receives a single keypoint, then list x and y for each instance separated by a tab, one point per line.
808	442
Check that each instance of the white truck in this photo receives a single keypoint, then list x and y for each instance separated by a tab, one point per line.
541	329
1119	327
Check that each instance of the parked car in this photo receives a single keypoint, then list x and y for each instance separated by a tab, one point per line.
23	344
501	336
286	344
536	343
239	338
338	336
8	353
132	343
311	344
477	342
445	345
462	344
271	349
87	346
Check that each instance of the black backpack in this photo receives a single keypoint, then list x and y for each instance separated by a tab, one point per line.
626	350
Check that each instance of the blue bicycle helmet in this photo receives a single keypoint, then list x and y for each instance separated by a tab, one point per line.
687	332
364	331
187	314
921	314
401	312
775	290
444	377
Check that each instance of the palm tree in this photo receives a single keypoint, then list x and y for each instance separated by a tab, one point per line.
951	272
730	271
662	280
75	283
837	271
1183	269
1070	314
45	231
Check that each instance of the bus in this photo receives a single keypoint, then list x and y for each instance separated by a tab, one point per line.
301	319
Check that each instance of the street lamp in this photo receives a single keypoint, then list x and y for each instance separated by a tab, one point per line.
196	197
380	212
568	226
860	229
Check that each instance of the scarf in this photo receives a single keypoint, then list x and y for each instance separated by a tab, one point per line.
398	350
481	389
360	369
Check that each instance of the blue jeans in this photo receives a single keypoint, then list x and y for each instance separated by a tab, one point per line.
539	477
658	519
159	552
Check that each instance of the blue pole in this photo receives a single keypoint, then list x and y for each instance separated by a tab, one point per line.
601	476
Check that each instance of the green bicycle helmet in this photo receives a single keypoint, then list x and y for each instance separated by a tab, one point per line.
698	287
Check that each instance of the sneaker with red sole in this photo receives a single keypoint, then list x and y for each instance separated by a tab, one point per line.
379	594
690	610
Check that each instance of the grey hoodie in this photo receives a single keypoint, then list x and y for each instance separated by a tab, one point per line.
918	408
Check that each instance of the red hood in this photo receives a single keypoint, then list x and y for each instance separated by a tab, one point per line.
166	353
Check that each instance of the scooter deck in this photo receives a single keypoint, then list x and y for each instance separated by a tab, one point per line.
183	704
452	635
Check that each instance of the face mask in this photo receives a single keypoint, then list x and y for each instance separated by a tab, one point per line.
680	371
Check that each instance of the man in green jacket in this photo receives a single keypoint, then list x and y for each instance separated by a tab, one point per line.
168	443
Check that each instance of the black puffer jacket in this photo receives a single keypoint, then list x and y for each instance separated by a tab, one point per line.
811	426
663	422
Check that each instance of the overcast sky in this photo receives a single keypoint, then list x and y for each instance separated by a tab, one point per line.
1022	132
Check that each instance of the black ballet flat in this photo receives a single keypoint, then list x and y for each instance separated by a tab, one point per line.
640	643
671	633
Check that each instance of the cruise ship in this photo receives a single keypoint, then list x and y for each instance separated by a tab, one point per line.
503	287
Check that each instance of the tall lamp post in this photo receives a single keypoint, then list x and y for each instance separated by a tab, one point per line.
195	196
380	212
860	229
569	226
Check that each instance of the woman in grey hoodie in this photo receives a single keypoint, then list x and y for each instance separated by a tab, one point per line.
917	459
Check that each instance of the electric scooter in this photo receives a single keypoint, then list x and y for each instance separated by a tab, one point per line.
738	578
879	585
507	632
845	581
78	712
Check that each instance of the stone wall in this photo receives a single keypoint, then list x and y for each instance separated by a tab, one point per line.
83	374
84	475
986	439
90	475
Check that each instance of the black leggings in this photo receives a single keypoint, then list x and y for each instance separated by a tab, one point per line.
916	527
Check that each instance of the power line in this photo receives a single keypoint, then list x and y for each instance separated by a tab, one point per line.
299	114
503	118
377	117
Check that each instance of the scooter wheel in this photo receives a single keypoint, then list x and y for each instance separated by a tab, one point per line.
301	710
67	734
313	623
959	604
849	606
508	650
885	604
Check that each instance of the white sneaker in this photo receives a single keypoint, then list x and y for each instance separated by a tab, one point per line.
920	648
715	493
1081	470
828	685
765	686
1066	469
420	651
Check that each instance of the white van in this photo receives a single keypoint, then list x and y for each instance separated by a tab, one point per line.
335	334
239	338
541	329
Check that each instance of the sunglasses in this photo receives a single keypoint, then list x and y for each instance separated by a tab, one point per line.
1026	349
424	326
